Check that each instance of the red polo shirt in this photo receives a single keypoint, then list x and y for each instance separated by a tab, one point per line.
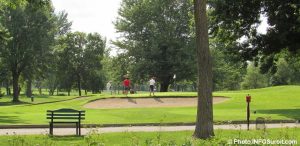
126	83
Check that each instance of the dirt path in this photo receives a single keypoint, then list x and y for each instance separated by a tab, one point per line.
110	103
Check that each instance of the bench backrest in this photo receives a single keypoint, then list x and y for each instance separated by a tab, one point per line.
65	115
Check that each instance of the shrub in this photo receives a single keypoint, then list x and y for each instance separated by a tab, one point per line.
254	79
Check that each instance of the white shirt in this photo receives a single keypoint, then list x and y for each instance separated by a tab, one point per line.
108	86
152	82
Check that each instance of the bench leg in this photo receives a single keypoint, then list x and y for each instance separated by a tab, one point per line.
51	128
77	133
79	129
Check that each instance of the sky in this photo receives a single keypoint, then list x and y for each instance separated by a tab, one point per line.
91	15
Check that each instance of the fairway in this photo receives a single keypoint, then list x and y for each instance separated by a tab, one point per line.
274	103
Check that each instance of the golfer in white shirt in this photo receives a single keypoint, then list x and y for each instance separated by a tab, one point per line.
152	83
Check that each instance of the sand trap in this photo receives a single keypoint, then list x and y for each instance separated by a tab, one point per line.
111	103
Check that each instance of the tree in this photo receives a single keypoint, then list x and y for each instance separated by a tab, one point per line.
30	26
254	79
237	19
155	37
228	70
80	60
53	70
204	122
93	54
283	74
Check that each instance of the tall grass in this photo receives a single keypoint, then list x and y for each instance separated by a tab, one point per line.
184	138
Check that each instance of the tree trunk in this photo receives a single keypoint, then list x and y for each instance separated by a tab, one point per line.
15	87
51	91
7	88
28	88
204	122
40	90
164	85
79	85
69	90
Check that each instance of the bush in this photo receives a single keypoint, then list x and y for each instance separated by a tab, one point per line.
254	79
283	74
61	94
1	94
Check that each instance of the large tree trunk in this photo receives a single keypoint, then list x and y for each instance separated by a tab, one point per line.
164	85
204	123
15	87
28	88
79	84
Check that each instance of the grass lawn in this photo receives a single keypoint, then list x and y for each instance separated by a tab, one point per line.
276	103
152	138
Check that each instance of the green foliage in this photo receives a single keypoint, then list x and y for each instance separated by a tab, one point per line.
80	58
283	74
294	65
156	38
30	25
254	79
227	72
236	19
183	138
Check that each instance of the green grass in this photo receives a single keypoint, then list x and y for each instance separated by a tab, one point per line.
276	103
151	138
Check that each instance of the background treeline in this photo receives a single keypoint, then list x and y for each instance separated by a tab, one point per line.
37	49
157	38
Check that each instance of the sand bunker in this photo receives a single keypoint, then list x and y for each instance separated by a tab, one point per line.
111	103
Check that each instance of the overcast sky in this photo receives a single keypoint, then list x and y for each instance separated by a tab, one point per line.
91	15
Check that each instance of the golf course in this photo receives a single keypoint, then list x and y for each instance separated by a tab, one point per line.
273	103
149	72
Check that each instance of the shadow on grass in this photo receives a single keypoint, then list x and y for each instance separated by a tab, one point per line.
289	113
10	103
66	137
31	104
10	119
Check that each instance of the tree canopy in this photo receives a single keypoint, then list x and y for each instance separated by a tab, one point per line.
237	19
156	36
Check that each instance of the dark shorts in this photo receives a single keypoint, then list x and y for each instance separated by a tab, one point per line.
127	88
152	88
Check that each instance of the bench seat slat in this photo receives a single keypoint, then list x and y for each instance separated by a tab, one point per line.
65	122
55	114
65	110
66	118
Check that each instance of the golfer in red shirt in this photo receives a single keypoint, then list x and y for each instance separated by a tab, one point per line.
126	84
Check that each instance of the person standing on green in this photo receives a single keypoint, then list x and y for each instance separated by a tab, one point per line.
126	84
152	83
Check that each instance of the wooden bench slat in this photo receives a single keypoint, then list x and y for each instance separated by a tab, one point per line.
82	118
64	110
54	114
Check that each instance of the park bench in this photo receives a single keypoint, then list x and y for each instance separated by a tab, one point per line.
68	116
